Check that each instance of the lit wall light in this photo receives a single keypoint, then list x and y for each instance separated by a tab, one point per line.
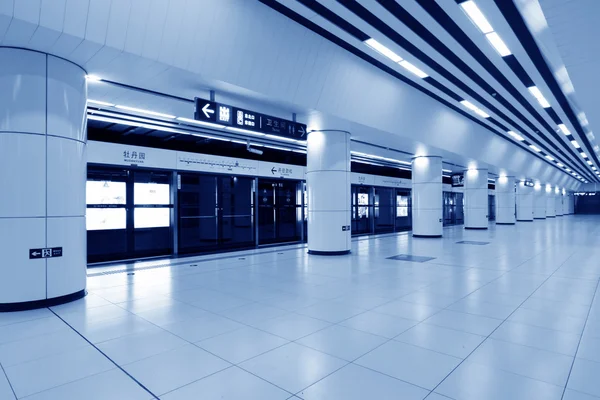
564	129
475	14
381	49
540	97
498	44
516	136
408	66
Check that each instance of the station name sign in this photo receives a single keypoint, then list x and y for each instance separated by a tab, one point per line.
223	114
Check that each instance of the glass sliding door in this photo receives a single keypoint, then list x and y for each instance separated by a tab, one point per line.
279	211
453	208
236	211
152	213
106	216
197	213
403	210
384	209
361	210
491	207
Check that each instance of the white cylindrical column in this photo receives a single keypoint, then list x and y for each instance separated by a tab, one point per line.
328	187
524	202
42	175
505	200
558	199
539	202
427	196
550	202
566	199
476	198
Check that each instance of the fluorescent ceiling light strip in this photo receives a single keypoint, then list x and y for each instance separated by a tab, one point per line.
575	144
101	103
584	155
141	110
137	124
498	44
275	137
516	136
299	151
482	113
589	162
132	118
539	96
381	49
447	170
475	14
277	147
195	122
564	129
469	105
234	129
550	158
560	165
535	148
408	66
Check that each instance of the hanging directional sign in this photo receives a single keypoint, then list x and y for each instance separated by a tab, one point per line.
223	114
45	253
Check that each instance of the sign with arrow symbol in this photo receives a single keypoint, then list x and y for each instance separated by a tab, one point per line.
51	252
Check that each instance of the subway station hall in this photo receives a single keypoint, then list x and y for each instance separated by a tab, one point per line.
299	200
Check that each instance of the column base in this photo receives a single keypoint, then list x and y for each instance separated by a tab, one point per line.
427	236
551	216
524	220
31	305
328	253
505	223
539	218
476	228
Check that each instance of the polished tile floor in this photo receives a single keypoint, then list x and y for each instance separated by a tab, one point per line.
517	318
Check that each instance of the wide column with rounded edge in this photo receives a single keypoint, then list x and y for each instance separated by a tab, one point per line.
550	202
328	186
565	202
42	175
524	202
539	202
505	200
476	199
427	196
558	198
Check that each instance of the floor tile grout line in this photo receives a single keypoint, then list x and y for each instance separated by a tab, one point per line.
105	355
495	329
9	382
391	339
580	339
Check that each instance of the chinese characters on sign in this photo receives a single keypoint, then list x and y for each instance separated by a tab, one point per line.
209	111
134	157
45	253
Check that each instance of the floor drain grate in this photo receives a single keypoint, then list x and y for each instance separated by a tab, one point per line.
473	242
409	257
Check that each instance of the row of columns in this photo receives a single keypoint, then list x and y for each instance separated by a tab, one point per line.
329	200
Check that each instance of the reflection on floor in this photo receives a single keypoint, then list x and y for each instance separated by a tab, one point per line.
515	319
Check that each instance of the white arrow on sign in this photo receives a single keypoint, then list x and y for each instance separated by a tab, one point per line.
206	110
36	253
302	131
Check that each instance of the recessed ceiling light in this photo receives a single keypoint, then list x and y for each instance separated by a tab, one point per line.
535	148
516	136
560	165
575	144
475	14
589	162
539	96
584	155
498	44
405	64
550	158
381	49
564	129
